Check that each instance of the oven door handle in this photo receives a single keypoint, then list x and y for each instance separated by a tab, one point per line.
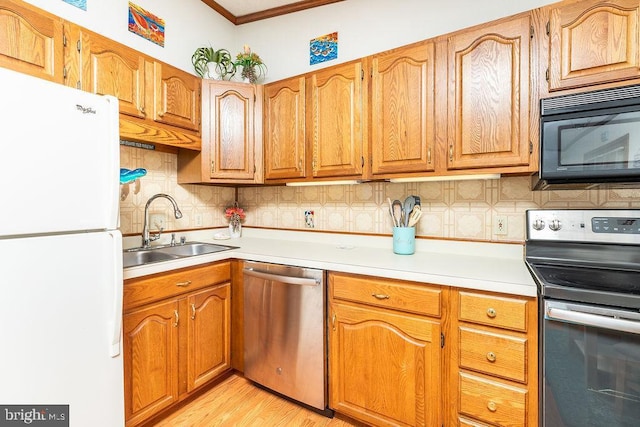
588	319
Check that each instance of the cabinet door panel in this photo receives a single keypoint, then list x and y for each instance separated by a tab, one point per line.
284	129
336	123
489	96
385	368
176	96
403	111
209	335
111	69
228	129
150	360
30	41
593	43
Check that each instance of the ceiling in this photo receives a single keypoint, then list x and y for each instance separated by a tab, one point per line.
243	11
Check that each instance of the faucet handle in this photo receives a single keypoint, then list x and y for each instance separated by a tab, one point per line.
173	239
183	240
153	238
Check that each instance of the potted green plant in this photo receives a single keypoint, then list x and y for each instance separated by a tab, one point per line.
210	63
252	66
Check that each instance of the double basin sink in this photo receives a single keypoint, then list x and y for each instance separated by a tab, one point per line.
141	256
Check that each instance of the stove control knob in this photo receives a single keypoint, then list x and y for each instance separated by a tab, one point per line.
538	224
555	225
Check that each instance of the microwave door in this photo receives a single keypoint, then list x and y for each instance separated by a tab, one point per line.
595	148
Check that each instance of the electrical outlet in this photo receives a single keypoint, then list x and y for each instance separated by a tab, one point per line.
500	225
309	219
198	220
157	221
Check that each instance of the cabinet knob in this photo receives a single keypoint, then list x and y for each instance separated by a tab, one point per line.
491	312
492	406
491	356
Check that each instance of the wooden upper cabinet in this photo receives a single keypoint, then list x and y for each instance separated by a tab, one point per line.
176	97
284	129
31	41
402	110
488	124
112	69
336	120
229	112
158	103
593	42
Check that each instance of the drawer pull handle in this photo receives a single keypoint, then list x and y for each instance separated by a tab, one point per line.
492	406
380	296
491	312
184	284
491	356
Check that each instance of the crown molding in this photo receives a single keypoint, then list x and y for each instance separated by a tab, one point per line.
268	13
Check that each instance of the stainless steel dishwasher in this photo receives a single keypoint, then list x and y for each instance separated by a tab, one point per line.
284	331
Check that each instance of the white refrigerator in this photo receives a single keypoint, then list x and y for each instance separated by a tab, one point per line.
60	255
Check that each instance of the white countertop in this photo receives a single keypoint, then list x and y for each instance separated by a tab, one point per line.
497	267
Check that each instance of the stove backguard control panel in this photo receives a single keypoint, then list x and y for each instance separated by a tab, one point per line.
584	225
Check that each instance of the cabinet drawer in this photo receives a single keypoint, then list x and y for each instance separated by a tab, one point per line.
492	402
143	290
509	313
395	294
494	354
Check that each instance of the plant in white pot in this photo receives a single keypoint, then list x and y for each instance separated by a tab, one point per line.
213	64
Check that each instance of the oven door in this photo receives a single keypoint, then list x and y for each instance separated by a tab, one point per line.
590	366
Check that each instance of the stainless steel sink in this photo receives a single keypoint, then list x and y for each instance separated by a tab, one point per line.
140	256
195	248
131	259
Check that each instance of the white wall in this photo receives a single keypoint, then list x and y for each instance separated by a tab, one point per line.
364	26
189	24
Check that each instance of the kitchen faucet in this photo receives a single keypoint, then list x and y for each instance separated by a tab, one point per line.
146	238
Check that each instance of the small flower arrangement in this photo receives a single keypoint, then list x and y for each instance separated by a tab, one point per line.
234	214
252	66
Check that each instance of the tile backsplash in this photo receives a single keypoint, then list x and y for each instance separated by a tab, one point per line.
451	209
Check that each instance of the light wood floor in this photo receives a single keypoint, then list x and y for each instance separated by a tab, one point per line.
237	402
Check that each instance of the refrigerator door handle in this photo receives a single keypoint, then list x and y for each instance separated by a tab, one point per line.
115	323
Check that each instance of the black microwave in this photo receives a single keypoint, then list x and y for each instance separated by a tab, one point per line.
590	139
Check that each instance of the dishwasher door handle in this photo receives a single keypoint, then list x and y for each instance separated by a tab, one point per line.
290	280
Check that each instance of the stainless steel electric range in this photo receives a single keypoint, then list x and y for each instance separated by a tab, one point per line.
587	267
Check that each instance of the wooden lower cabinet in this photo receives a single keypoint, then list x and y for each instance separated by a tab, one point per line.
493	363
150	360
416	354
176	331
385	364
208	338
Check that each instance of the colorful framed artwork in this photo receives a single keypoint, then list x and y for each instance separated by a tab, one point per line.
324	48
146	25
80	4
